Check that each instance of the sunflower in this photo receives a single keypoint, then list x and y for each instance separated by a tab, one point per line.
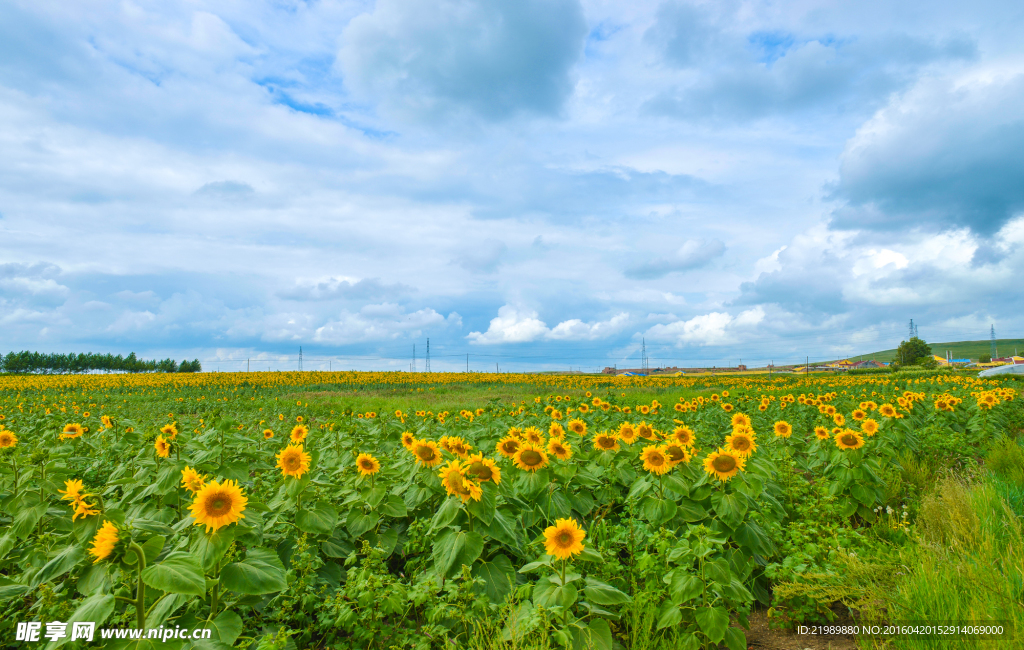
887	410
858	414
821	433
72	490
107	422
583	408
169	430
727	407
7	439
560	450
564	539
367	464
742	443
740	420
869	426
74	430
268	434
508	446
645	431
577	426
456	483
408	440
644	409
676	453
293	461
556	414
299	418
683	435
163	448
627	433
655	459
723	464
460	447
299	433
849	439
192	480
533	436
104	542
84	509
482	469
530	458
606	441
426	453
218	504
783	429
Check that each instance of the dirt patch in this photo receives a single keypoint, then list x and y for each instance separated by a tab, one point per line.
762	637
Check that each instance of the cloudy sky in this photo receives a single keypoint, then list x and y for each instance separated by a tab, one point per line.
538	184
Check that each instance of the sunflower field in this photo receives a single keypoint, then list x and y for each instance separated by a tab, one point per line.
291	510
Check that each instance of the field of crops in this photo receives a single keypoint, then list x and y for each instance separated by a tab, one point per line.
400	510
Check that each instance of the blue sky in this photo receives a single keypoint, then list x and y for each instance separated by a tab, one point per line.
538	184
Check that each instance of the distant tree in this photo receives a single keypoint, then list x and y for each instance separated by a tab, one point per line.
985	358
909	352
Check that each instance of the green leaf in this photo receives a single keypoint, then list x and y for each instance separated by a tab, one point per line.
669	615
753	538
485	507
691	511
226	627
212	546
659	511
321	518
446	514
261	572
498	576
163	609
713	622
503	529
151	549
93	580
11	589
26	519
95	608
684	587
601	593
293	486
456	548
151	526
590	554
59	565
735	639
730	508
359	522
596	636
533	566
374	496
549	594
394	507
179	573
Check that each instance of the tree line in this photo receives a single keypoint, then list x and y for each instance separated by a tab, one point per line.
34	362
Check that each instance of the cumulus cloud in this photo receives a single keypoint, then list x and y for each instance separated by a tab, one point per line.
342	288
691	255
714	328
944	155
478	57
519	325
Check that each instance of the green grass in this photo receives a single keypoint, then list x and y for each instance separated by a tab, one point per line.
960	350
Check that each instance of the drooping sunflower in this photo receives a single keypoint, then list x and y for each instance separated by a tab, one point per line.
606	441
683	435
104	542
170	431
299	433
645	431
192	480
426	453
655	459
367	464
450	474
84	509
627	433
742	443
564	539
821	433
577	426
676	453
723	464
508	446
740	420
559	449
849	439
533	436
219	504
869	426
556	430
530	458
408	439
7	439
783	429
163	448
72	490
293	461
482	469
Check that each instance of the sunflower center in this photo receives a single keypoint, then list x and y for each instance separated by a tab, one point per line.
565	539
724	463
605	442
530	458
675	453
849	439
656	460
480	471
510	447
425	453
741	444
366	464
291	462
218	505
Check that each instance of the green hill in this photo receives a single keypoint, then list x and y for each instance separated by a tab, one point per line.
960	349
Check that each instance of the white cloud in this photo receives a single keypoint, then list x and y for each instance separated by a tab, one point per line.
520	325
714	328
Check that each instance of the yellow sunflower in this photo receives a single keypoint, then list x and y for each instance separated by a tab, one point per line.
73	430
839	419
849	439
163	448
606	441
426	453
84	509
683	435
742	443
676	453
299	433
460	447
104	542
577	426
858	414
533	436
655	459
408	439
783	429
293	461
530	458
723	464
508	446
7	439
482	469
169	430
887	410
564	539
869	426
268	434
583	408
821	433
740	420
560	450
556	430
72	490
219	504
645	431
367	464
627	433
192	480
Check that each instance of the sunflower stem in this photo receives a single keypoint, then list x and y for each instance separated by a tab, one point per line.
140	592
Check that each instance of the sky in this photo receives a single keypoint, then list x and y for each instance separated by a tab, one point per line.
539	185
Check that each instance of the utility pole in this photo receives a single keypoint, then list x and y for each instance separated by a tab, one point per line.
644	364
995	350
427	369
300	358
807	366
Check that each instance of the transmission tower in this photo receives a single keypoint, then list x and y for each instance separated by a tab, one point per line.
300	358
414	357
427	362
995	350
644	364
913	329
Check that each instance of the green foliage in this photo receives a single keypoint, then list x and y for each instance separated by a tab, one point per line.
909	352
